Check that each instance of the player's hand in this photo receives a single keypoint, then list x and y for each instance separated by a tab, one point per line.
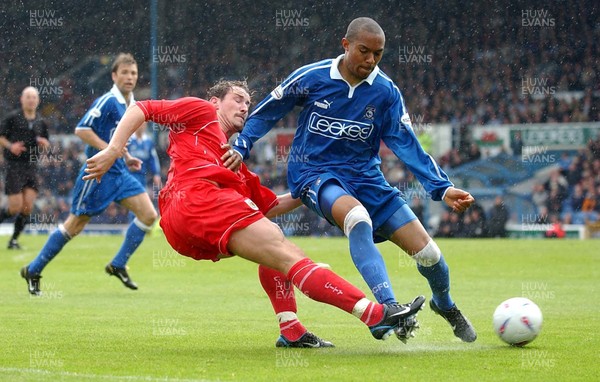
43	142
457	199
99	164
17	148
133	164
231	159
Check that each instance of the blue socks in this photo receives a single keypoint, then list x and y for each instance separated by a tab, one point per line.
438	277
56	241
369	262
364	253
133	239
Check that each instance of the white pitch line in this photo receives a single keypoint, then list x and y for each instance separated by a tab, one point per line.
50	373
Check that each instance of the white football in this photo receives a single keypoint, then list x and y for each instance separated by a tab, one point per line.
517	321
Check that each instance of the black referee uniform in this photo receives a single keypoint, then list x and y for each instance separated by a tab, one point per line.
21	170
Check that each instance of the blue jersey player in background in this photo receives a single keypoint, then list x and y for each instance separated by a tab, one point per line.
141	146
348	107
92	198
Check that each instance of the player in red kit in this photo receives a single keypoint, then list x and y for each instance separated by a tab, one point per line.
209	212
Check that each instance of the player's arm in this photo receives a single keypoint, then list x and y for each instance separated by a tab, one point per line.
400	138
16	148
267	113
90	138
432	177
100	163
285	205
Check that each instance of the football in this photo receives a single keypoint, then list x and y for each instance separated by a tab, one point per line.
517	321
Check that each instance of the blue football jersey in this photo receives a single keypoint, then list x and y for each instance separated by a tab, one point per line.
144	149
340	127
102	118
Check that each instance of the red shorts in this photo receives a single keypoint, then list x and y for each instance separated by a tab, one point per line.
199	217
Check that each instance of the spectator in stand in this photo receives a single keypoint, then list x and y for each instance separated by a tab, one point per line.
474	152
474	224
445	227
558	183
594	147
498	217
573	174
590	204
516	144
467	228
564	163
555	202
456	224
577	198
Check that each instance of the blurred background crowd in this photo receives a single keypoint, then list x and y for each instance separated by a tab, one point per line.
464	64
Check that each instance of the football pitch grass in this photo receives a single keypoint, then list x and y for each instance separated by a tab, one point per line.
203	321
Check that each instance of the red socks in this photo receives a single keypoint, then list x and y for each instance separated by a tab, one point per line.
319	284
279	289
281	293
323	285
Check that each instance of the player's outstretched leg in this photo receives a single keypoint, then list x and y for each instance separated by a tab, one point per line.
263	242
323	285
281	293
432	265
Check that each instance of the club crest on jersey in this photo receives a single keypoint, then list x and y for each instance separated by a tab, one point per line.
251	204
370	112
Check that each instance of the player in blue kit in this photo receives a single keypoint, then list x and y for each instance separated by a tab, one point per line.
348	107
141	146
92	198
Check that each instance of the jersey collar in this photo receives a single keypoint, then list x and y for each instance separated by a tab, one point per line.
335	74
117	93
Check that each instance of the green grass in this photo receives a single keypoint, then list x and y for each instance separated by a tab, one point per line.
203	321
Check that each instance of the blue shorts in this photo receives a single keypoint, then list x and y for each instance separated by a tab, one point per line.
140	177
92	198
386	207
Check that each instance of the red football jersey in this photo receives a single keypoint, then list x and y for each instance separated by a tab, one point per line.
195	140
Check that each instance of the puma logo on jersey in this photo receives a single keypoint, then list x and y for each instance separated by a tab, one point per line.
323	105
